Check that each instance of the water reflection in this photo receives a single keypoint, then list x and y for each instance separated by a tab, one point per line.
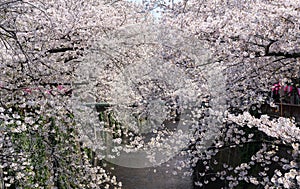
166	176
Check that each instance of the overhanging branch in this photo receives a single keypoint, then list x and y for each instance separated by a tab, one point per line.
58	50
284	54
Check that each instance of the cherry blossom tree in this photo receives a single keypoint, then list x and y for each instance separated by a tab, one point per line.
41	45
258	38
258	44
223	54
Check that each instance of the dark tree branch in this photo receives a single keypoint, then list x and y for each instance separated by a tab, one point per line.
284	54
59	50
267	48
275	54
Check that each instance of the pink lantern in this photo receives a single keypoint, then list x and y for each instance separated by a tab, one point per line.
276	88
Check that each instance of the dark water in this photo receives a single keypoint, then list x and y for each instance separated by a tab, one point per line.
166	176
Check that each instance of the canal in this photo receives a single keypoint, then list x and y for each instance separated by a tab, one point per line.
166	176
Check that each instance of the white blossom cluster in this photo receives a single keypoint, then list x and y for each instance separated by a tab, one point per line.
37	151
283	128
256	43
151	76
40	42
287	180
228	53
256	40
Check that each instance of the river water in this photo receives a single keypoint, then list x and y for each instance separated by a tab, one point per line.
166	176
172	174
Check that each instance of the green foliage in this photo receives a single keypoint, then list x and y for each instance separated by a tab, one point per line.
46	153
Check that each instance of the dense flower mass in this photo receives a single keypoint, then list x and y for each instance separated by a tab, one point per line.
40	43
257	40
257	43
283	128
75	72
